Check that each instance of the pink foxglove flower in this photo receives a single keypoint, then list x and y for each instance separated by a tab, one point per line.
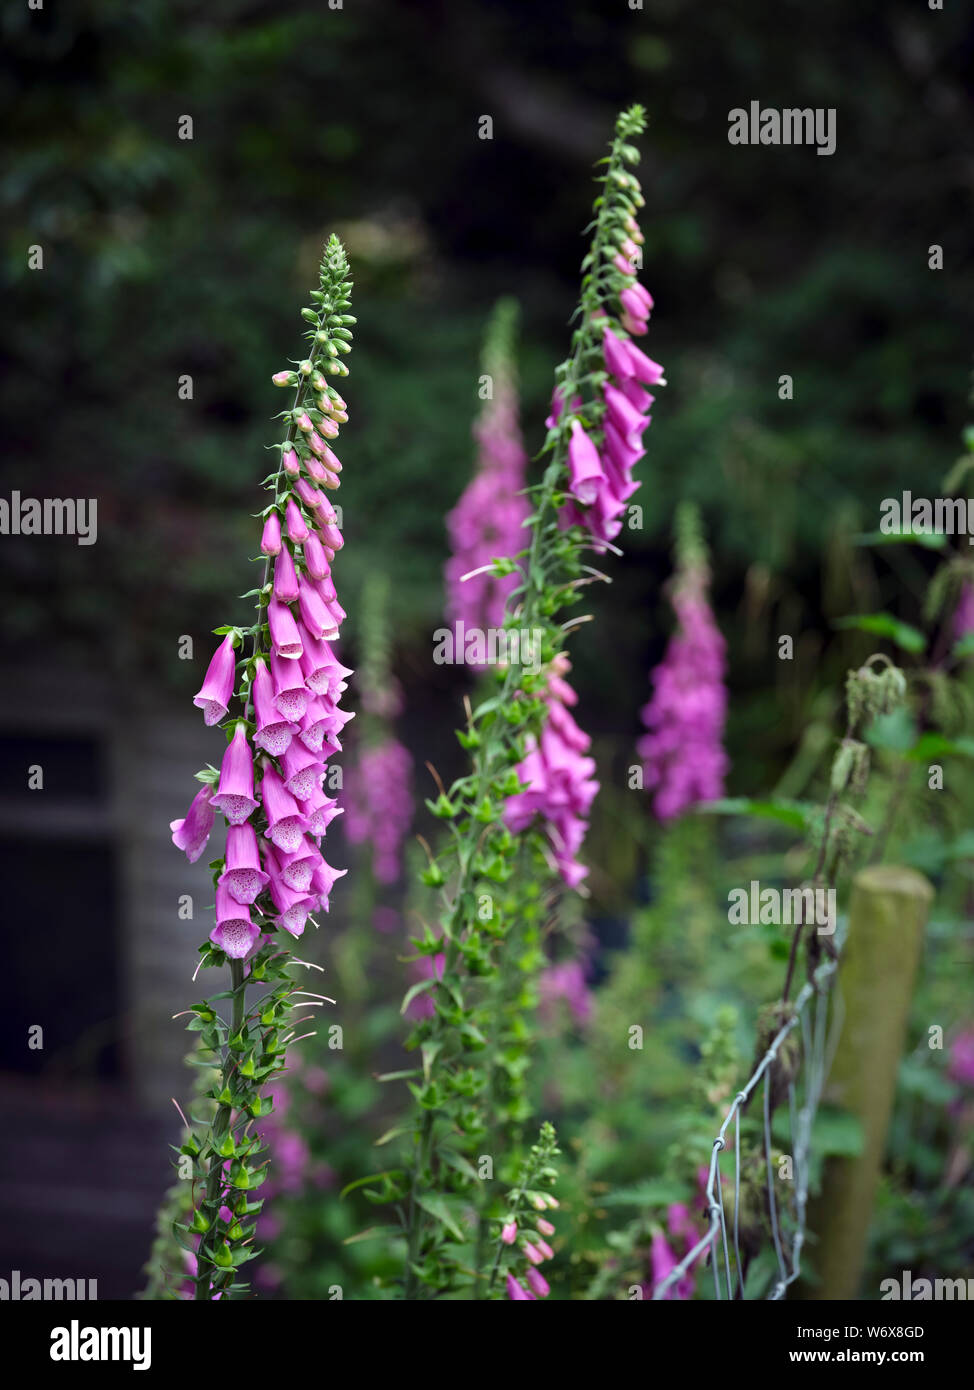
234	932
235	793
561	783
517	1292
191	834
272	876
683	755
216	691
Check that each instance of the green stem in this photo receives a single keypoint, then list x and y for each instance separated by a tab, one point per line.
224	1115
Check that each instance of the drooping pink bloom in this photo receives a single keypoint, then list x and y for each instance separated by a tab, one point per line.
270	541
234	932
297	528
285	640
314	557
235	794
290	695
192	832
560	780
509	1232
538	1282
285	578
301	769
216	691
584	466
298	866
516	1291
274	731
285	823
323	881
243	876
683	754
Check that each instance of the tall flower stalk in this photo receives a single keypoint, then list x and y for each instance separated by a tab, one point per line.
683	754
594	438
274	687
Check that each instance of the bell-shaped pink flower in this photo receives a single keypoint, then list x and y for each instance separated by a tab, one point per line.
538	1282
284	630
274	731
234	932
315	560
285	823
296	867
301	769
291	696
323	881
285	578
297	527
291	463
509	1232
235	794
516	1292
309	495
314	614
320	812
292	907
629	421
243	876
270	540
216	691
584	465
192	832
315	723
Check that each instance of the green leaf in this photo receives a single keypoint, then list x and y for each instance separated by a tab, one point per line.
911	639
933	540
371	1177
419	988
794	814
439	1207
371	1233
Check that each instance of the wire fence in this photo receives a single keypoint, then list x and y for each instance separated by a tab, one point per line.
820	1027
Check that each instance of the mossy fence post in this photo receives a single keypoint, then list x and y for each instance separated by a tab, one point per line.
887	916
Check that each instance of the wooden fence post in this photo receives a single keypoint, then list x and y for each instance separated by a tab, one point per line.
887	916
